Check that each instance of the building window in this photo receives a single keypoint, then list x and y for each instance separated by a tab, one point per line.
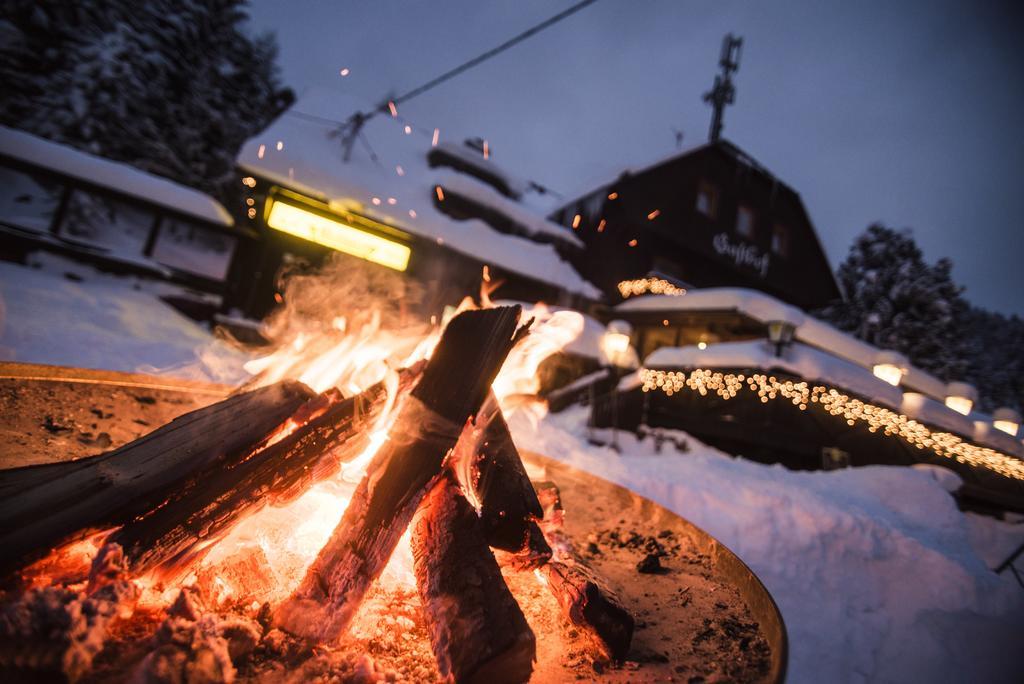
745	222
116	226
707	200
192	248
28	201
780	240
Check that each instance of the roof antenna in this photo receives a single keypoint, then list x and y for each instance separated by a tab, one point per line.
724	93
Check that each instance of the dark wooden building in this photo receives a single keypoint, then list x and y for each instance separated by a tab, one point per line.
708	217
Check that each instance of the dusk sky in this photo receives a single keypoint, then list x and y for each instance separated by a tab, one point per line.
898	112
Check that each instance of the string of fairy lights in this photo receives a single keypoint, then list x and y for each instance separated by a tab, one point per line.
855	411
640	286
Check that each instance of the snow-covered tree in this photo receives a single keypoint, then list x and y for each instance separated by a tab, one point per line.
896	300
996	358
172	87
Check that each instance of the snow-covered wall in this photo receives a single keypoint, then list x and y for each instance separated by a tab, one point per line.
797	359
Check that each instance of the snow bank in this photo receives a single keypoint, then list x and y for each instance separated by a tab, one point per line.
118	177
102	321
877	573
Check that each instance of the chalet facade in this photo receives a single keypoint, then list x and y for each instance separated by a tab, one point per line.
709	217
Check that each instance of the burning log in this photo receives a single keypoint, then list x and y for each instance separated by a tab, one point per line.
493	472
585	600
326	432
453	387
43	505
477	630
509	508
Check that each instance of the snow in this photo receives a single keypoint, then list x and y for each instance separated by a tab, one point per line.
587	343
312	163
118	177
470	157
764	308
103	321
481	193
878	576
926	410
987	434
797	359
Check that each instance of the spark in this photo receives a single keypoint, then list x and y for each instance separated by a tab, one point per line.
280	145
632	243
437	135
345	72
613	195
576	221
654	214
260	152
393	109
440	193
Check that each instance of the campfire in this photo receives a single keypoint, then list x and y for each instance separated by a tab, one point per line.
354	460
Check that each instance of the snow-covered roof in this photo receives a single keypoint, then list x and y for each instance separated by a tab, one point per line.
469	157
397	175
481	193
764	308
797	359
115	176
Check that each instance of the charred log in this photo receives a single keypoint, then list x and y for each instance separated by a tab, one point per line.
326	432
42	505
509	508
585	598
477	631
453	387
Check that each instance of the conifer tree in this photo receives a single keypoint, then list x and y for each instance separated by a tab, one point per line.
172	87
896	300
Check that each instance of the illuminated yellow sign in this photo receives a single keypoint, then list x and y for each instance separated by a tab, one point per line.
332	233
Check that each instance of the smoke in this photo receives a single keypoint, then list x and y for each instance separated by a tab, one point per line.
345	325
342	289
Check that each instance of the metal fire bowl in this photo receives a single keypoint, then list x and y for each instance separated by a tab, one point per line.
53	413
592	503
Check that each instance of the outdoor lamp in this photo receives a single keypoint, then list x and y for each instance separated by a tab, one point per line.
615	343
780	333
960	397
1007	420
890	366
